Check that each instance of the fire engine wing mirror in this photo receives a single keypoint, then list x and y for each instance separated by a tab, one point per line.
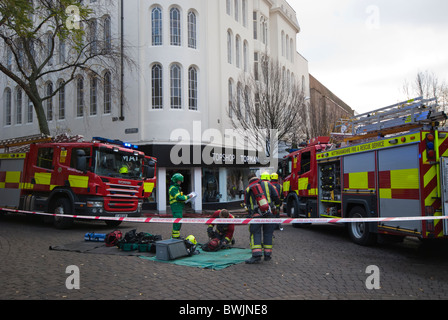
149	169
81	160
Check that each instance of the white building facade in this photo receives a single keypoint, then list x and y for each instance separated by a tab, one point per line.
187	58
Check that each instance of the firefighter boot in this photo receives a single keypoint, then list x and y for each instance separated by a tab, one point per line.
256	257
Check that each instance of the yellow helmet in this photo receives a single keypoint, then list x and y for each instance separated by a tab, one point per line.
274	176
265	176
192	239
124	169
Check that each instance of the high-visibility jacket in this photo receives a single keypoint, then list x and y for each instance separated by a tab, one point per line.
176	196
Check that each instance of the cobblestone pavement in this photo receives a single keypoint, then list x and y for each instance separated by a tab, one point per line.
317	262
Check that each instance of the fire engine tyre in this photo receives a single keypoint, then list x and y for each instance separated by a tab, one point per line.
359	231
62	206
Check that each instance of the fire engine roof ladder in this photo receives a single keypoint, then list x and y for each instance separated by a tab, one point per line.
15	142
400	117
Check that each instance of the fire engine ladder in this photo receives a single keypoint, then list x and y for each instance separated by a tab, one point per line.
400	117
15	142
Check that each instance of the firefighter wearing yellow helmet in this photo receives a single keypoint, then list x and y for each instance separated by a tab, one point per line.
177	202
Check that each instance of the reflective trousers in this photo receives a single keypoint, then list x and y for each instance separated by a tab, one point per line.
261	238
177	209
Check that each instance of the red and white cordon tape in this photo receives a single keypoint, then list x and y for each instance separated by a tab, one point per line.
242	221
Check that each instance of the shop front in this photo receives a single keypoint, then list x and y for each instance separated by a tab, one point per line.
219	179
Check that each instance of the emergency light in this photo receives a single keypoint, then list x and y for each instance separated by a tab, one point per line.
116	142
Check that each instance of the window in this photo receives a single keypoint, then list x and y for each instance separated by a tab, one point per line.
230	89
229	47
192	41
176	87
107	93
305	162
7	106
256	65
79	97
29	112
61	51
45	158
237	10
244	10
228	9
238	51
175	27
61	102
107	35
18	106
157	87
93	95
93	37
9	58
156	20
49	49
245	56
49	102
255	25
192	88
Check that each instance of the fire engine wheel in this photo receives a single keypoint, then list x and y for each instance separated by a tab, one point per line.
62	206
359	231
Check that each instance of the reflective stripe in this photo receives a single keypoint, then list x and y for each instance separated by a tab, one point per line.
78	181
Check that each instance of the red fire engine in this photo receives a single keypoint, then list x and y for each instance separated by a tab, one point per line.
393	164
102	178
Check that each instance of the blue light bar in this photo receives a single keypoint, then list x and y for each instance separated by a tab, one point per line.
116	142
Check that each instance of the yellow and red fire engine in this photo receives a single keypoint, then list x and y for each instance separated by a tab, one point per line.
394	163
101	177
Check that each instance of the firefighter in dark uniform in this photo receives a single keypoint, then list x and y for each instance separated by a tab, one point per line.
260	234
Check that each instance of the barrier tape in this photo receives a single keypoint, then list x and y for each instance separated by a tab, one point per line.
241	221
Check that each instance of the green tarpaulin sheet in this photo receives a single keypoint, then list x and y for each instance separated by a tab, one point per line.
211	260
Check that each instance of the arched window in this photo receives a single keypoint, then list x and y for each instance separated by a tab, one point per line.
192	35
18	105
238	51
7	106
61	100
237	10
229	47
107	93
107	35
49	101
245	56
176	86
157	87
175	27
79	97
93	95
192	88
93	37
230	89
156	21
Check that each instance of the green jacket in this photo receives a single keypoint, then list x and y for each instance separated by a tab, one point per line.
176	196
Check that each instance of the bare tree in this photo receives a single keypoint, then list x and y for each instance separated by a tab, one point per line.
266	102
427	85
45	38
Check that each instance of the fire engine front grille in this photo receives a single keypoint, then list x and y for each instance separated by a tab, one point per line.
121	197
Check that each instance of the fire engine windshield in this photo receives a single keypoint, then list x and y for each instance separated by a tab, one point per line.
116	163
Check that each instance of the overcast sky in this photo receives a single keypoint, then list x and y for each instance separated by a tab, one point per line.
363	51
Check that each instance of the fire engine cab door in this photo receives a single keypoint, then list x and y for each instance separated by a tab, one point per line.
444	190
399	186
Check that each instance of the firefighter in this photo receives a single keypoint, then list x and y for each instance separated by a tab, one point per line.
278	187
258	198
223	232
177	202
